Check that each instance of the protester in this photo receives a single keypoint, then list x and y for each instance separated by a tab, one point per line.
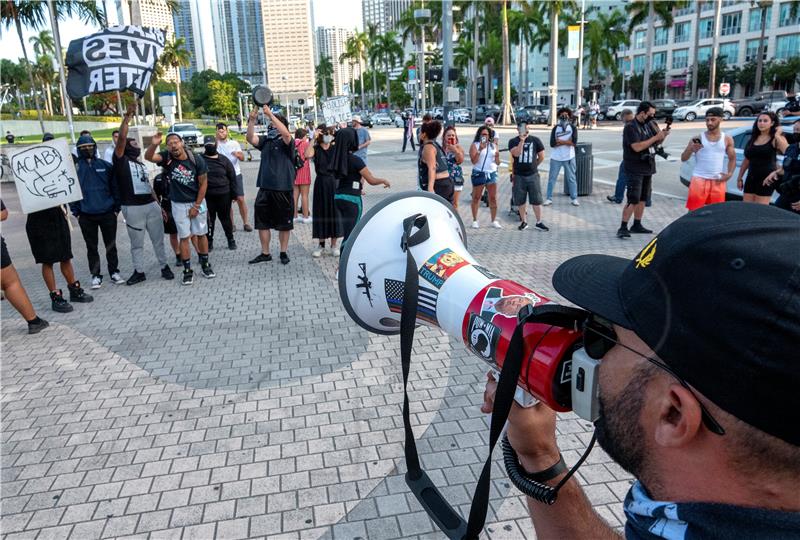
325	224
161	192
187	175
639	139
709	177
10	140
563	138
433	171
273	205
12	286
408	131
302	179
232	150
364	140
792	107
594	112
97	210
760	155
220	192
349	170
108	155
485	156
83	133
789	173
139	206
527	152
454	155
686	404
622	179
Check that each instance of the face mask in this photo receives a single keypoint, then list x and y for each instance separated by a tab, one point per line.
132	153
272	132
211	149
327	139
563	122
87	153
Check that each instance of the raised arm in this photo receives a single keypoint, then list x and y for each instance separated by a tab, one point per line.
151	154
286	136
251	136
122	139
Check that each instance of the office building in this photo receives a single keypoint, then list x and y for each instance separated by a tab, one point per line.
331	43
189	27
288	46
373	12
239	38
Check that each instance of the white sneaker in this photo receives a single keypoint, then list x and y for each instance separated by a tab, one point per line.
317	253
96	282
307	220
298	219
496	224
117	278
548	202
336	252
575	202
475	225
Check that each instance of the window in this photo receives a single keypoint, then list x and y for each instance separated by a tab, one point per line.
787	46
730	51
661	36
754	24
638	63
706	28
784	19
659	60
731	23
691	7
680	59
638	40
751	53
707	6
703	54
682	32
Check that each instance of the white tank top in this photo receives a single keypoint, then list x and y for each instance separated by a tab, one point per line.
485	159
709	160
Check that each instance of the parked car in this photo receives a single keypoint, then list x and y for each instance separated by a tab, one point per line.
664	107
382	119
740	137
539	113
615	108
460	115
748	106
700	107
483	111
188	132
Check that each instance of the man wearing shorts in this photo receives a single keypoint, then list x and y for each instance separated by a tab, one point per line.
233	151
274	208
710	149
186	174
528	152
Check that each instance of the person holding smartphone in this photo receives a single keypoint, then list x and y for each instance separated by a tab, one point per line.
455	157
485	156
527	152
710	176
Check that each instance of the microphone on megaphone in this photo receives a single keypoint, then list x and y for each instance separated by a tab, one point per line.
407	263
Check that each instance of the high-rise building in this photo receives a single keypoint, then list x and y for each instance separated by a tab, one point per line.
239	38
152	13
374	12
394	10
189	27
288	46
331	43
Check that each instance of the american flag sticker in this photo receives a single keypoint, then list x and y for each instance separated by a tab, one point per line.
426	300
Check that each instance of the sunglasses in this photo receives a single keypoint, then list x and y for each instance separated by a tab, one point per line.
599	337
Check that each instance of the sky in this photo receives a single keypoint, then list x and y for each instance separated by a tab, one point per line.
346	13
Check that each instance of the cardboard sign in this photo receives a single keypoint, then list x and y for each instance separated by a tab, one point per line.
45	175
336	110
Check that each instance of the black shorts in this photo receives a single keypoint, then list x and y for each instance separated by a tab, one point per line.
274	210
5	258
526	188
639	187
49	236
169	225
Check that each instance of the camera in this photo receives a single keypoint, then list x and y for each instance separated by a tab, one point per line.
657	148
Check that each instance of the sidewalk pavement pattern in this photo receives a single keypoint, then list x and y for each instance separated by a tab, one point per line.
251	405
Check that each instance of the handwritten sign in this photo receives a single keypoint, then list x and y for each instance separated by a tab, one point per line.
45	176
336	110
116	58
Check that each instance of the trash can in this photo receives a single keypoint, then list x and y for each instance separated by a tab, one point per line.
584	169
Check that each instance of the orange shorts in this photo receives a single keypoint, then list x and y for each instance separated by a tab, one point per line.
703	191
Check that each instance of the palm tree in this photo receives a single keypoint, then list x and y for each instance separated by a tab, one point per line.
524	25
371	36
387	48
176	56
349	57
43	72
43	43
324	73
603	36
462	59
554	10
359	43
506	114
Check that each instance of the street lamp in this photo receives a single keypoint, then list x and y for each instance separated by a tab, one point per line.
422	17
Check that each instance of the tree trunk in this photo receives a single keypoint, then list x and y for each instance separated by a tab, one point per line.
695	69
178	92
153	102
553	68
760	61
488	93
475	38
507	114
388	87
376	97
361	78
50	98
325	87
651	20
30	74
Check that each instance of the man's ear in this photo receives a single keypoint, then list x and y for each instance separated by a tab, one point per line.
677	417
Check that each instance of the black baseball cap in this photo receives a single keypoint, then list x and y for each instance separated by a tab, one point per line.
209	139
717	296
715	111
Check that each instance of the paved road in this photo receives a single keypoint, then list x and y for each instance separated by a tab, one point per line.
252	406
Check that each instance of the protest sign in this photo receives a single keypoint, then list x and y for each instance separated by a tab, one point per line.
336	110
116	58
45	175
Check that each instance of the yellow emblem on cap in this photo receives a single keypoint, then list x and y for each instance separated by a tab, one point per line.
646	255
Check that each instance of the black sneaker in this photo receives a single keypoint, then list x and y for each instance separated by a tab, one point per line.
638	229
611	198
208	272
36	326
522	226
136	277
188	276
178	261
262	257
284	258
623	232
59	303
542	227
166	272
77	294
231	244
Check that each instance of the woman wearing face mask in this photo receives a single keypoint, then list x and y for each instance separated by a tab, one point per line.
485	156
221	191
302	179
325	224
454	155
760	155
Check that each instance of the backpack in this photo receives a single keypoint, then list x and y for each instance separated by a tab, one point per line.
297	159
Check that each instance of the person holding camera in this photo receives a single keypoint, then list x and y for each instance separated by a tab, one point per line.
640	139
527	152
689	407
788	187
710	149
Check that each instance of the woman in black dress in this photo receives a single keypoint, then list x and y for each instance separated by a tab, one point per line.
760	158
325	224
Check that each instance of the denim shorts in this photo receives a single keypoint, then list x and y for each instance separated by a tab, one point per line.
483	179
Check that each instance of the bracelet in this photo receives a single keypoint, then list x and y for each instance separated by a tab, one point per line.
541	476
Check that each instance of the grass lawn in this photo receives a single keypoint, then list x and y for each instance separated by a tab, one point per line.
104	135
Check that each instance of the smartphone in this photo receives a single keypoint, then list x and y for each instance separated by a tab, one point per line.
484	139
696	140
522	131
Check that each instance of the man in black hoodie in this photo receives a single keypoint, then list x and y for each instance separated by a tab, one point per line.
221	191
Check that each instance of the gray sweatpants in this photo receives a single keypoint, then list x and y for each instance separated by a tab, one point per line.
141	219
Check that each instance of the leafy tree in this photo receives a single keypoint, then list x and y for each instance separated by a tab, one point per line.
222	99
388	49
176	56
603	36
784	72
324	76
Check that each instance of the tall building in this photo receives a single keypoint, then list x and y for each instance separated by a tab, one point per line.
331	43
394	10
288	46
374	12
239	38
189	27
152	13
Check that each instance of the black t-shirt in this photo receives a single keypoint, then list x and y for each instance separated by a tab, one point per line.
351	183
643	162
276	171
132	181
526	163
221	176
182	176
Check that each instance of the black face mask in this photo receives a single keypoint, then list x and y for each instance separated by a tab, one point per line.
132	153
87	153
211	149
272	132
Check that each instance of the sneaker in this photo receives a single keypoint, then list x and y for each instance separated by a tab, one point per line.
575	202
475	225
496	224
317	253
309	219
262	257
298	219
548	202
117	278
58	303
207	271
623	232
178	261
38	326
188	276
232	244
610	198
136	277
541	227
638	229
284	258
77	294
166	272
248	228
97	281
336	252
522	226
